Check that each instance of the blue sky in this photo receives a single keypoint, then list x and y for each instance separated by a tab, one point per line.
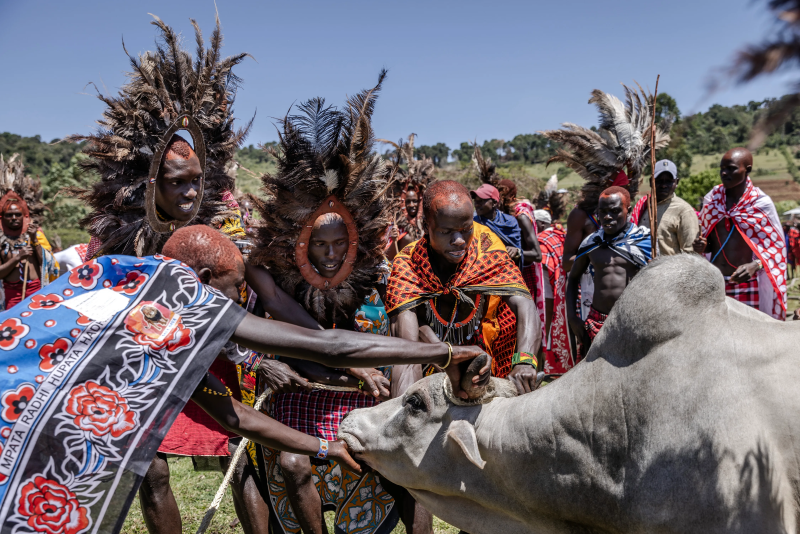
458	70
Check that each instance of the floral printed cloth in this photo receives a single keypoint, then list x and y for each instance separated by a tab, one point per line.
86	398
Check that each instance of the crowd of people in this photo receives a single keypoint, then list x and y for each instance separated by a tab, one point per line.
347	261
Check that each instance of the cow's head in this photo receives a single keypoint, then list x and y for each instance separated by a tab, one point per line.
425	437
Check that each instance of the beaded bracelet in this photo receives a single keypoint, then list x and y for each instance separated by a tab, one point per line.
322	453
227	393
524	357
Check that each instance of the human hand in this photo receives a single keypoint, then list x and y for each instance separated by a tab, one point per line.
524	377
25	253
514	252
32	229
374	382
337	450
462	366
744	272
280	377
395	233
699	244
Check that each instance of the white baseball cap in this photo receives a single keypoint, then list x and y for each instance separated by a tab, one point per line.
543	216
666	165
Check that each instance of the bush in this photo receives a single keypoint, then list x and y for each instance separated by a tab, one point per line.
695	187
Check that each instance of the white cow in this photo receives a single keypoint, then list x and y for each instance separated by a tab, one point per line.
685	417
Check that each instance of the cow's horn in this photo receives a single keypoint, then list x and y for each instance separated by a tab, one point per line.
475	391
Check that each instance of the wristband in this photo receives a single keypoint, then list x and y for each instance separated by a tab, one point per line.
524	358
322	453
361	385
449	355
760	265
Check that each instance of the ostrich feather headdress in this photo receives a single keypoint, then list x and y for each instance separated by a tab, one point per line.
13	179
621	141
551	199
167	91
420	173
326	164
487	171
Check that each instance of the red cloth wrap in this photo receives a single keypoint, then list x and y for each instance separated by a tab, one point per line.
13	291
194	432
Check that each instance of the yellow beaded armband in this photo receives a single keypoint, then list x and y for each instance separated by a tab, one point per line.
524	357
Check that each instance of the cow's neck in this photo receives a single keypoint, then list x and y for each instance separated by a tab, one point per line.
569	464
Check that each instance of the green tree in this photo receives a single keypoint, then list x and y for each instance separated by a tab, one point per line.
64	211
463	153
438	153
667	112
695	187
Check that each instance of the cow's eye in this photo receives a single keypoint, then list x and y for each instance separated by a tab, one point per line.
415	402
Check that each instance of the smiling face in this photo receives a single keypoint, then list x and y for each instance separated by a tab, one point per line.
412	203
450	228
12	218
612	214
328	245
178	186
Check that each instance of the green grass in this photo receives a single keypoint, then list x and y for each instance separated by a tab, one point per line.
194	492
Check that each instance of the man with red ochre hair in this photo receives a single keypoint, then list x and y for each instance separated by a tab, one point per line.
616	251
20	255
458	284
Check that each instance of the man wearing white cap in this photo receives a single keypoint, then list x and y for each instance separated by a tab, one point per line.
678	225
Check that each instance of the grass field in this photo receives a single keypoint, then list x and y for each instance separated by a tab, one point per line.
194	492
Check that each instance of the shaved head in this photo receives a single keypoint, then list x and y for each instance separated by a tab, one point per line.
739	155
178	148
445	193
735	167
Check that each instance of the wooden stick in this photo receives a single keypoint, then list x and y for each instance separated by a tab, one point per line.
25	280
394	224
652	201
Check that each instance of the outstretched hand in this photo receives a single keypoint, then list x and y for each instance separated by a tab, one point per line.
337	450
699	244
460	368
280	377
375	382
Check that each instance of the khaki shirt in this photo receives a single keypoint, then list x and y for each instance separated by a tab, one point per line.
678	226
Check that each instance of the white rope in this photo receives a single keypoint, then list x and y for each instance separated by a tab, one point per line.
212	509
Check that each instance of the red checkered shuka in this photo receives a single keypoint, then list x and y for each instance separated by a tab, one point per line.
318	413
594	322
745	292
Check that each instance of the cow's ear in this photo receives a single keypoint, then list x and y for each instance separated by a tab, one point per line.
463	433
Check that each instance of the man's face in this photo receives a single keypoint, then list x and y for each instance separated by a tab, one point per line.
541	226
177	187
450	229
412	203
483	206
733	169
665	186
12	218
327	248
612	213
230	283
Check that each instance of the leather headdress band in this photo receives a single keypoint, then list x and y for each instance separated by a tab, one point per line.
183	122
329	205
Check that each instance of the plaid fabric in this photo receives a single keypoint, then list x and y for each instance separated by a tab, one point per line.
318	413
746	292
793	244
551	242
486	270
594	322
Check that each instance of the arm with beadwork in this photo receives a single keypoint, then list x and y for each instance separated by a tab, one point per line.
529	337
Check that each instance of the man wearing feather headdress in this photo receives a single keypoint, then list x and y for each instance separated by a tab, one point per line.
601	158
155	182
408	187
26	259
748	247
326	216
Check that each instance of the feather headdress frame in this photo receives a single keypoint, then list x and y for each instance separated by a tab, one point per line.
14	180
487	171
622	141
326	163
167	91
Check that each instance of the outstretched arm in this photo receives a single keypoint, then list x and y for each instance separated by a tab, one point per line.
341	348
243	420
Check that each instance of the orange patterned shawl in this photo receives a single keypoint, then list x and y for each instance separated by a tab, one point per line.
487	271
